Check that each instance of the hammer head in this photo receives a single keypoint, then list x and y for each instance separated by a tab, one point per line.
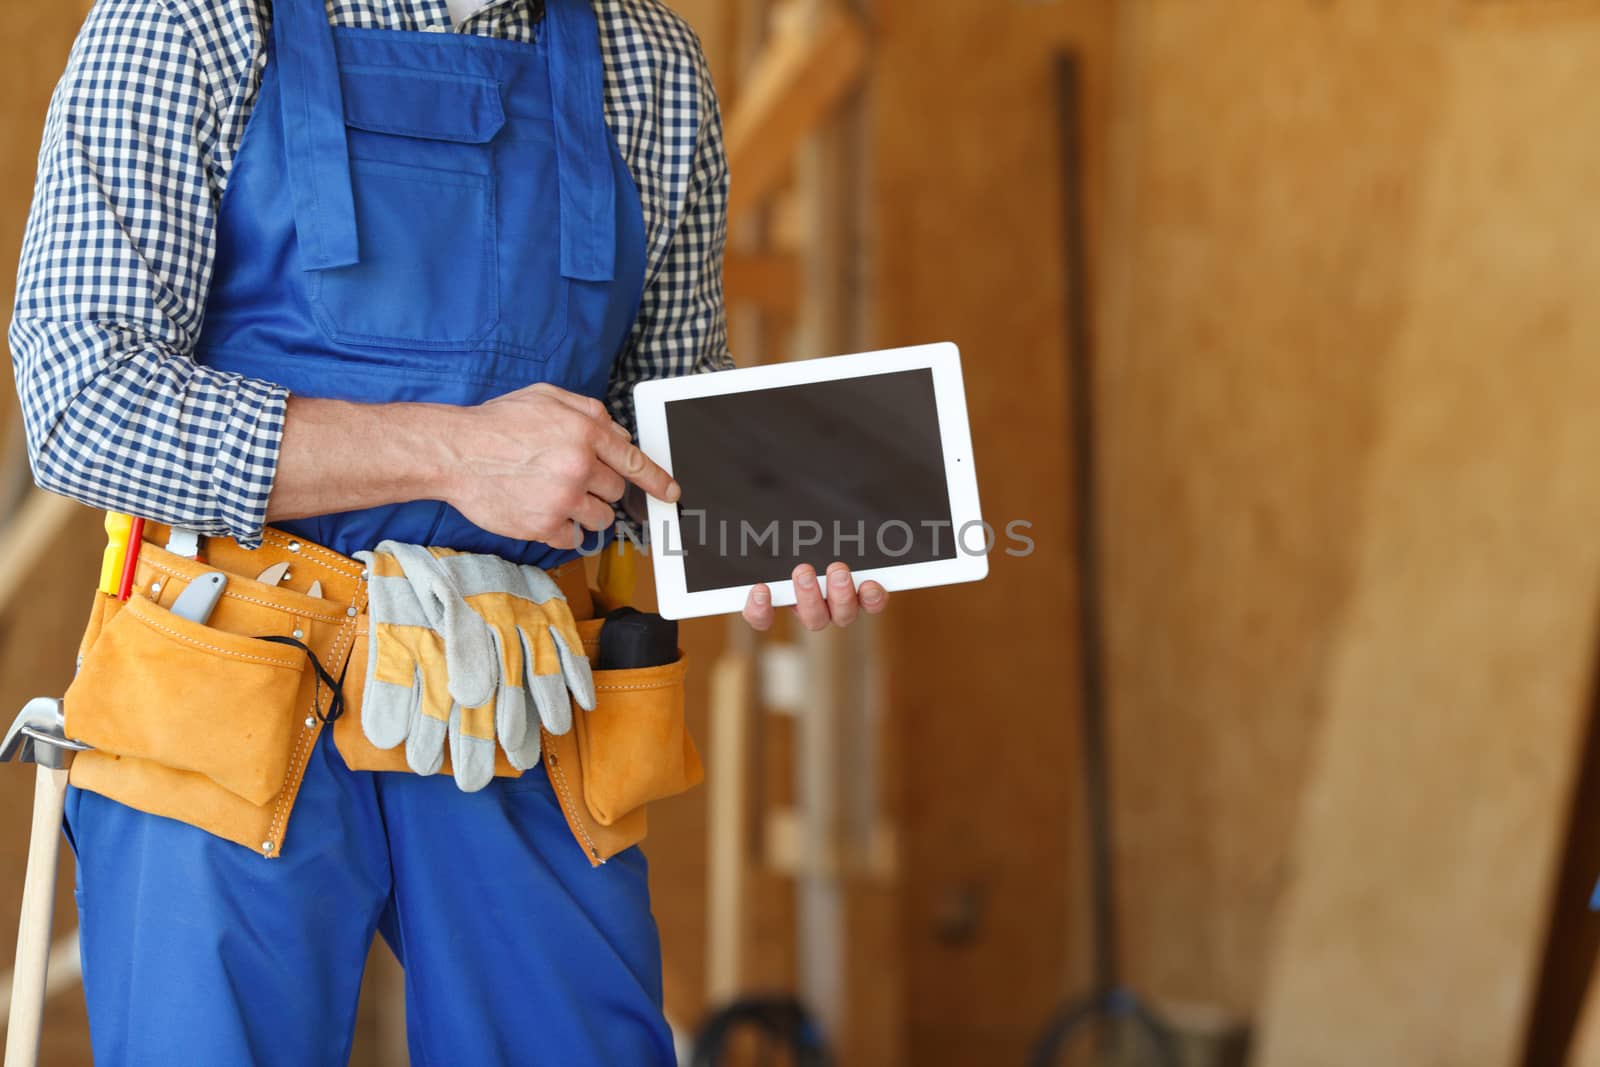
39	735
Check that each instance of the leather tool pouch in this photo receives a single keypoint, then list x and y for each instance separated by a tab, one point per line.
633	748
158	687
209	724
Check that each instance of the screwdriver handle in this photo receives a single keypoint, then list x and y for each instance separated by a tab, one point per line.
118	526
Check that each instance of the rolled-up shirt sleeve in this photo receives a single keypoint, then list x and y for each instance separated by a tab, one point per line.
111	290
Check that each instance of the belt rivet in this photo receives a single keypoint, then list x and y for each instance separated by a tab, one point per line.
351	611
551	759
294	546
155	588
267	846
365	574
298	633
311	723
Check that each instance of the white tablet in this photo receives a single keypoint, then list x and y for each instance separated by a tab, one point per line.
865	459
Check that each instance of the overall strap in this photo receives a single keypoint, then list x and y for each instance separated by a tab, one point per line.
583	151
315	146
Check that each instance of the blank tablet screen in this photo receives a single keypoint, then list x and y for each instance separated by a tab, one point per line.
849	470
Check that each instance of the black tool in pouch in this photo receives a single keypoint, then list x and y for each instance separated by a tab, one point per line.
631	638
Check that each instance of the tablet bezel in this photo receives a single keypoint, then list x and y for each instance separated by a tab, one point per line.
650	399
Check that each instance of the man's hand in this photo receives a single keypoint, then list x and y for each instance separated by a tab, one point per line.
535	464
816	612
538	463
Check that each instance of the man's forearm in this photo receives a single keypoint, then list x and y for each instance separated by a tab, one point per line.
536	464
339	456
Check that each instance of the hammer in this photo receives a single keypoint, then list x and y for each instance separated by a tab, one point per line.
38	736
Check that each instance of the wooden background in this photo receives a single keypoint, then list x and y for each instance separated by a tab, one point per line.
1342	274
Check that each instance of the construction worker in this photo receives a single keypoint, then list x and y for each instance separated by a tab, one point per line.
384	270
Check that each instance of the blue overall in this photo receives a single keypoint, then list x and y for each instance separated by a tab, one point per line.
411	216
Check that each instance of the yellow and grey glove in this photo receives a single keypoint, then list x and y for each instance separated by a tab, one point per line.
406	675
500	637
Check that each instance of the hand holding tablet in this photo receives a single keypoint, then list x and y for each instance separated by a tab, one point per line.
863	459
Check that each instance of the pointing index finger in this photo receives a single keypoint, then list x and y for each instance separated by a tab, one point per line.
627	460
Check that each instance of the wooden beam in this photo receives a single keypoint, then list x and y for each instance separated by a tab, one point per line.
802	76
32	533
725	802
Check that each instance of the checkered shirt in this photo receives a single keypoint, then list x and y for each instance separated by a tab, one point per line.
117	258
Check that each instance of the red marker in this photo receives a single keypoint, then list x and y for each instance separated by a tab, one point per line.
130	558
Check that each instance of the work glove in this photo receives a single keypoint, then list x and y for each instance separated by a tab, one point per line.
468	649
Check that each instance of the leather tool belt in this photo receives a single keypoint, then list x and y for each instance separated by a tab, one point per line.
211	725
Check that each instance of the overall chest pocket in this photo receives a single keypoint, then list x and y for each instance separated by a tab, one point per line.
422	170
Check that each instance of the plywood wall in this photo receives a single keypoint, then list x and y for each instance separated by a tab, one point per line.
983	679
1260	261
1459	693
1346	335
1258	223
